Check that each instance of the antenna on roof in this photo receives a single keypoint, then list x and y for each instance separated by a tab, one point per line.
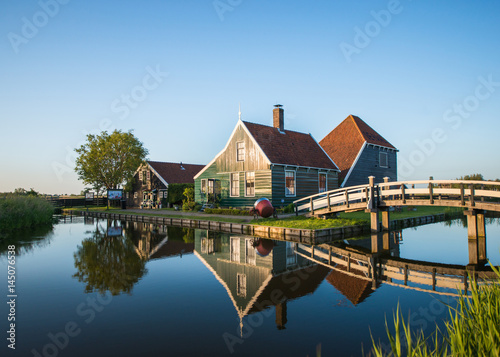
278	106
239	112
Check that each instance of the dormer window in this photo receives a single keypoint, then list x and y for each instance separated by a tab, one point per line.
240	151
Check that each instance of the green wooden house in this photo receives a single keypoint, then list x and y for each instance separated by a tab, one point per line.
266	161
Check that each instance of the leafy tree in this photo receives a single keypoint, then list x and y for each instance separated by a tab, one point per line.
472	177
108	264
107	161
188	203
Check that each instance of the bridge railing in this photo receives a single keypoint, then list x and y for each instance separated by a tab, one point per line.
463	191
338	197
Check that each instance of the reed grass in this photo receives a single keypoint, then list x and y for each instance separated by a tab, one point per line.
472	330
18	212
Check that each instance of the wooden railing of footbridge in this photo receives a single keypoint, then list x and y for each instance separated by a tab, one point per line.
480	195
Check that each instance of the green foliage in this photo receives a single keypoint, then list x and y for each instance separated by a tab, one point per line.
188	201
228	211
302	222
472	177
473	328
176	192
22	192
109	160
108	264
289	209
24	211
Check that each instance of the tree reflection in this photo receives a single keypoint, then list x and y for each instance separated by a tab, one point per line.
108	264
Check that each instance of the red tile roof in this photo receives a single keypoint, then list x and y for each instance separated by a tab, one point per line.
344	142
352	287
290	148
174	173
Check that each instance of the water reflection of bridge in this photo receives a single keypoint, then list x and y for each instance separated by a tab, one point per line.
368	262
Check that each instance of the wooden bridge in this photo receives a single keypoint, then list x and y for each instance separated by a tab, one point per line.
475	196
377	264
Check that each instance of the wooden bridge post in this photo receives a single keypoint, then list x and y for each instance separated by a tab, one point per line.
373	206
386	222
476	225
312	206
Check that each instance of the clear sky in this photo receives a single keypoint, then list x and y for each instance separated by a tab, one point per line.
424	74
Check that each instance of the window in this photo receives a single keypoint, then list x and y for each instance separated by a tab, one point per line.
144	176
383	159
235	250
135	194
250	184
148	175
235	184
240	151
289	183
322	183
291	257
204	186
250	256
210	186
241	285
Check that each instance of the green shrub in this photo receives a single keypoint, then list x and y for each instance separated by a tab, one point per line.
228	211
24	212
176	192
197	207
289	209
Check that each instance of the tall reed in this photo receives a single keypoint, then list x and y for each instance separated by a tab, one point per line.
473	328
17	212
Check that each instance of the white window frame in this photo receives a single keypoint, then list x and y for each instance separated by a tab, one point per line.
250	254
380	155
241	285
246	181
238	151
234	249
294	184
319	181
204	186
135	194
231	182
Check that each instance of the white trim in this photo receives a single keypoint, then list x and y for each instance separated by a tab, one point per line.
244	151
158	175
383	147
353	164
245	183
231	184
328	156
295	167
227	144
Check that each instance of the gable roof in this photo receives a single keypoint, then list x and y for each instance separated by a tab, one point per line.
344	143
289	147
171	172
352	285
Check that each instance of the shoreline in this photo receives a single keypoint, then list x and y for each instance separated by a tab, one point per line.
299	235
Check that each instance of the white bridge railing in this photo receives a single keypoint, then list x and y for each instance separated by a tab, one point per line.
461	192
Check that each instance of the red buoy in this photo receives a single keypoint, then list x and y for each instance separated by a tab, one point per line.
264	207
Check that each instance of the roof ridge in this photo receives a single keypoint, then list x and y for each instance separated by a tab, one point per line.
357	126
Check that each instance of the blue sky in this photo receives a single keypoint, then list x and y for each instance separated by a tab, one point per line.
424	74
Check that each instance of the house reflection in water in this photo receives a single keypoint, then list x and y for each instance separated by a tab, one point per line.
154	241
258	273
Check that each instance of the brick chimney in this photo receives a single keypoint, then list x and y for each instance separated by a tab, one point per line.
279	117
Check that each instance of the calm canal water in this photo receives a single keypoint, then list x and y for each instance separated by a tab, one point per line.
105	288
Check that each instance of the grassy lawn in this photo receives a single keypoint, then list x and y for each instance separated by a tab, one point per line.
193	217
407	212
302	222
